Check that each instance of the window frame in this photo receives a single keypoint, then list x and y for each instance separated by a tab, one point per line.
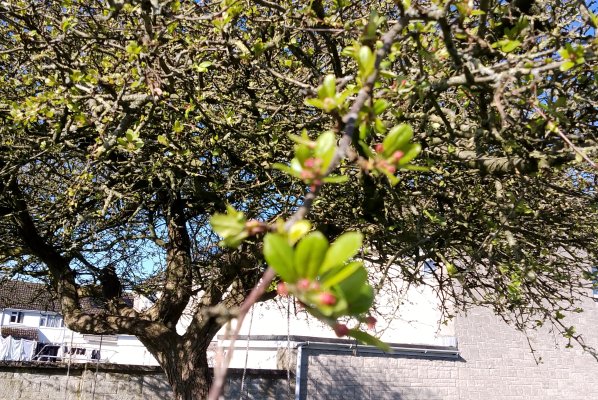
50	320
16	317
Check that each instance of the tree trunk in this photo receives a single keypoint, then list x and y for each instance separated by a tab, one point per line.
186	368
190	382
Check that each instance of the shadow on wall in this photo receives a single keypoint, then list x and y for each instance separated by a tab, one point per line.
260	385
333	376
36	381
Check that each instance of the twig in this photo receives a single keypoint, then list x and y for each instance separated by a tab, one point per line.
350	121
254	296
566	139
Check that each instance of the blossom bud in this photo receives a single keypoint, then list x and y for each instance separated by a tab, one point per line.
379	148
282	289
397	155
303	284
309	163
341	330
371	322
327	298
306	175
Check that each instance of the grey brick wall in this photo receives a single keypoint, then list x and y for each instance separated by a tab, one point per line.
496	363
334	376
27	382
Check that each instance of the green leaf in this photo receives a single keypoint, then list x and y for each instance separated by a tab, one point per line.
451	270
366	61
339	274
279	255
284	168
241	46
163	140
226	225
315	103
133	48
393	180
298	230
412	151
567	65
296	167
178	126
325	148
230	226
363	301
328	88
398	137
303	139
302	152
309	254
366	338
336	179
345	247
352	285
366	149
380	106
509	45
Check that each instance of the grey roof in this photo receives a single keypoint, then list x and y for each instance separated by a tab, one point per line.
27	296
36	296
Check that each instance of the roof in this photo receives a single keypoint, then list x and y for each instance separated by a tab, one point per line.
36	296
20	332
27	296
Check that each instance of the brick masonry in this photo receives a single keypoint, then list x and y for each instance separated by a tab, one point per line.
53	382
495	363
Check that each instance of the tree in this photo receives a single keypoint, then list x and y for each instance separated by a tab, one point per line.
127	125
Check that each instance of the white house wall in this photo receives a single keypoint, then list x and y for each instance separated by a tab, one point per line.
126	349
30	318
409	317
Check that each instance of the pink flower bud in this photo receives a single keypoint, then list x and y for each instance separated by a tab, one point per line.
306	175
397	155
379	148
327	298
282	289
341	330
371	322
309	163
303	284
391	169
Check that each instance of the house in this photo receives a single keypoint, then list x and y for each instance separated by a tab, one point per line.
474	356
28	311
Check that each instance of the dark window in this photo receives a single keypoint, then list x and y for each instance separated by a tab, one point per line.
16	317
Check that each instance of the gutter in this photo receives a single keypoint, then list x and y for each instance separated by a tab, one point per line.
423	351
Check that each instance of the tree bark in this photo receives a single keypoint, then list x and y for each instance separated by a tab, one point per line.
190	381
186	367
